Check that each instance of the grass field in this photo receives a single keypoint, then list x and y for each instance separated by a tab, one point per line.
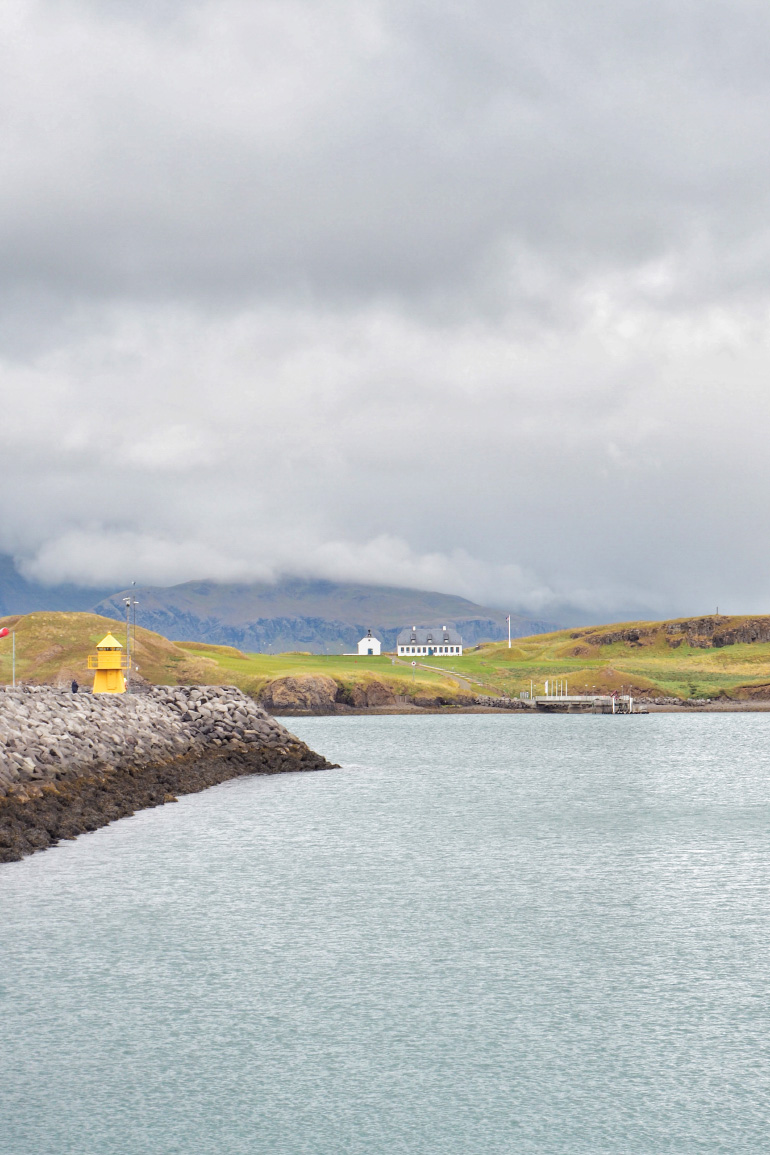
659	662
676	659
253	671
54	648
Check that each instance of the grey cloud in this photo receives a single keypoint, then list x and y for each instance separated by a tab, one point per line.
469	298
378	149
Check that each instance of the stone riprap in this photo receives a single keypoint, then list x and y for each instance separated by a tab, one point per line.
501	703
74	762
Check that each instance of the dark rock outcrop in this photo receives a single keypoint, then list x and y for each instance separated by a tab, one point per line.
632	636
372	694
311	693
703	633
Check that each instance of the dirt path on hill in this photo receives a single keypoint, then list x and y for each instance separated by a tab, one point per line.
463	682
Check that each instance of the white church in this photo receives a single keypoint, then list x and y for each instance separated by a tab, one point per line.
369	646
430	640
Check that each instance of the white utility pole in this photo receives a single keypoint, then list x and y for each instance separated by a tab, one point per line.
509	631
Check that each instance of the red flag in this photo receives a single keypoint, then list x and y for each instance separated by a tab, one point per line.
4	632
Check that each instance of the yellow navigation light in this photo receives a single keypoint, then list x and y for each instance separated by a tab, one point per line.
109	643
109	662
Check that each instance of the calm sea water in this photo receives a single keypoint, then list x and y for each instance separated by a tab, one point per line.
483	934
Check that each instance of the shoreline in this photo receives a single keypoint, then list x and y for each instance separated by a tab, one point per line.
419	711
74	763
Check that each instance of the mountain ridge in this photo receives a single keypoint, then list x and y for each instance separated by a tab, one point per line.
308	614
318	615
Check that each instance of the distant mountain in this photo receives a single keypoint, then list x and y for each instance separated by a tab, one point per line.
19	596
292	614
318	616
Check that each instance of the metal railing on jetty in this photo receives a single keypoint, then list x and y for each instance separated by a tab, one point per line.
588	704
558	700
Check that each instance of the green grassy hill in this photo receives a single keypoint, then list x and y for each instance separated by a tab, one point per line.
53	648
686	658
253	671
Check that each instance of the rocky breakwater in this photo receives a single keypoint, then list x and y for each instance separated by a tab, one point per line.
500	703
74	762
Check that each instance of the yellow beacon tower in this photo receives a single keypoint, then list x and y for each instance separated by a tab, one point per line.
109	663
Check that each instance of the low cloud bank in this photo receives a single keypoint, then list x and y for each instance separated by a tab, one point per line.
475	301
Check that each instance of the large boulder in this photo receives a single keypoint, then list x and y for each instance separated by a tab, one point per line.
426	701
374	693
316	692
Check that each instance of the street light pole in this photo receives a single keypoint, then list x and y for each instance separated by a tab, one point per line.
127	603
134	604
130	604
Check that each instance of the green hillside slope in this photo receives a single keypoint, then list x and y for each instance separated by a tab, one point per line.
687	658
684	658
53	648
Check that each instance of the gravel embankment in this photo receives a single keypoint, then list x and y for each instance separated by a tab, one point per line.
74	762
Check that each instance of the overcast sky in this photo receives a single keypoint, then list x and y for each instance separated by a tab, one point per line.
471	297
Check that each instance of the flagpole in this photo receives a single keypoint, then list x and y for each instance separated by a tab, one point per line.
509	631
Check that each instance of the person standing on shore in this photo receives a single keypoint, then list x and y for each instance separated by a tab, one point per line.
74	686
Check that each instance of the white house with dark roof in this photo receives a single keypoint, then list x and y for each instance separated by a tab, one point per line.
429	641
369	646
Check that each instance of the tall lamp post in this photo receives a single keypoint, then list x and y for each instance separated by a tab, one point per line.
130	604
134	604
